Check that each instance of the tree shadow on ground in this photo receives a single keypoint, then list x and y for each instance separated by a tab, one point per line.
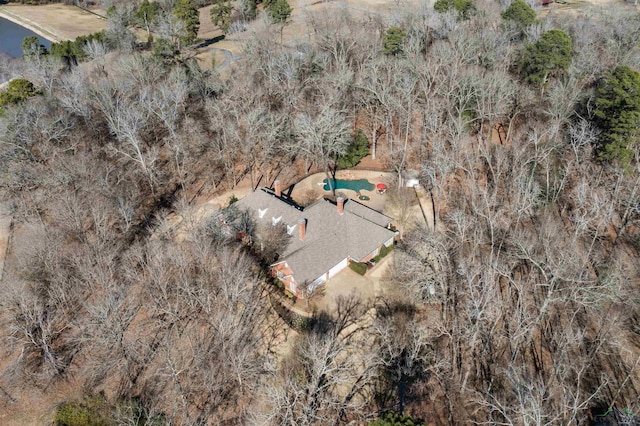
205	43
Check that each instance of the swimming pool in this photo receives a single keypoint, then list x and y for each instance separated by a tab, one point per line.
356	185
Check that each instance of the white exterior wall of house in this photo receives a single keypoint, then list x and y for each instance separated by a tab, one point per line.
318	282
339	267
321	280
389	242
328	275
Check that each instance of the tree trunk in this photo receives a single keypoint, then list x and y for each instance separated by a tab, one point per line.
373	143
327	171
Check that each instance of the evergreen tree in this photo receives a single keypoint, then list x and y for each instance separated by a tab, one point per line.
356	151
520	12
279	10
551	54
617	111
73	51
393	39
165	49
17	91
111	11
68	51
186	11
221	14
249	9
146	14
465	8
32	47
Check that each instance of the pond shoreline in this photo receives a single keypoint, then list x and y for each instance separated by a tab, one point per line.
29	25
54	22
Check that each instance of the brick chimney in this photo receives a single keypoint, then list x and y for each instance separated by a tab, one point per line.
278	187
302	226
340	204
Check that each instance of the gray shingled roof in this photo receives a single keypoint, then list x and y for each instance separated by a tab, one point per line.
330	237
262	199
367	213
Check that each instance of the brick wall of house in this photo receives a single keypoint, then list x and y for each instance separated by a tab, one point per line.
282	272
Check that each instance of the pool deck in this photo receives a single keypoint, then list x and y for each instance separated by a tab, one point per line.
311	187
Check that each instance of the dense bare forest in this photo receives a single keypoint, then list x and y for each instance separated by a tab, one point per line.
521	308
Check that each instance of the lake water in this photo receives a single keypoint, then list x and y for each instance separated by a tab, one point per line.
11	36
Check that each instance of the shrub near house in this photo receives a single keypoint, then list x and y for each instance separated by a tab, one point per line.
358	267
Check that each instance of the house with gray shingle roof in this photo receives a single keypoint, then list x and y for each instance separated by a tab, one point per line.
323	237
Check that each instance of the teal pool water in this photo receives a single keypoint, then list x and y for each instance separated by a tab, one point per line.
354	185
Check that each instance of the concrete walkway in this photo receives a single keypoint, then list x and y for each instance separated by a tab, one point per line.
5	233
376	274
